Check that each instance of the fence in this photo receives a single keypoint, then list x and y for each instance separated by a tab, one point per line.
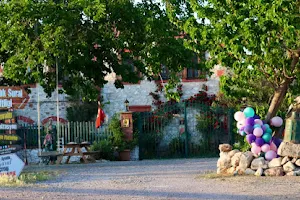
70	132
185	129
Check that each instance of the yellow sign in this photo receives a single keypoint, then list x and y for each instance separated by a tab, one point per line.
9	138
7	115
126	123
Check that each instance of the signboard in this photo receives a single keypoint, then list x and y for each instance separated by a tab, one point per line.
13	97
12	138
11	164
7	115
8	126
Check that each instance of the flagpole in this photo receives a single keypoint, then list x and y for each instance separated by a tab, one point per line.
57	106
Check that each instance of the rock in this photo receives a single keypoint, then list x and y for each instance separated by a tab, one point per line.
235	173
276	171
294	160
289	166
225	147
289	149
257	163
276	162
235	160
231	170
297	172
297	163
249	171
259	172
221	171
224	163
240	171
292	173
245	160
233	152
223	154
285	159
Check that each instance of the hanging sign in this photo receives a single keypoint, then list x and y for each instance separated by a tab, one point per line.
6	115
12	138
11	164
13	97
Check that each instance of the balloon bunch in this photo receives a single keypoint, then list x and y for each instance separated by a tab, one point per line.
258	133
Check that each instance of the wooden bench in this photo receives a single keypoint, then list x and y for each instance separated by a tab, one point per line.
50	156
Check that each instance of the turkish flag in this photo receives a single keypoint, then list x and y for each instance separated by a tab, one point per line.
100	117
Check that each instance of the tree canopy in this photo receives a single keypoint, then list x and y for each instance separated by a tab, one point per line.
86	39
257	39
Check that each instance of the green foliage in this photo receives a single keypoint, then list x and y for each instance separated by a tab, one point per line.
241	144
105	148
82	111
85	40
258	41
118	138
27	178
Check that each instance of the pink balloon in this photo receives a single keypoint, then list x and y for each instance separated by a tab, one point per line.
258	132
265	148
258	121
276	121
270	155
238	116
255	149
240	124
273	147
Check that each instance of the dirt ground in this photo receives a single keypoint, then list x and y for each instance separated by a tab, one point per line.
152	179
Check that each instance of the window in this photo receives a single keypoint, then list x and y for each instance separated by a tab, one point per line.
192	73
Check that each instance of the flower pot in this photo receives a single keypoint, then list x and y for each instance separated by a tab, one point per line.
124	155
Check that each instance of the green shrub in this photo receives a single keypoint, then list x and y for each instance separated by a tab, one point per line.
105	148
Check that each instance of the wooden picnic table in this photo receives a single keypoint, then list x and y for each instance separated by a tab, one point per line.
75	149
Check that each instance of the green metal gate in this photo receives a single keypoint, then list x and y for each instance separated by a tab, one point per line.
185	129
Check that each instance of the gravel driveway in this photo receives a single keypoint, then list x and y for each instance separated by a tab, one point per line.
152	179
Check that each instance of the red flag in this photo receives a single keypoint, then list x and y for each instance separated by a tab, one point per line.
100	117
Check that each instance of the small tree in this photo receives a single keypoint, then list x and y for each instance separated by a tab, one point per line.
258	40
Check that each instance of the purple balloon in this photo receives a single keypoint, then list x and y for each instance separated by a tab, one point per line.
248	129
250	138
256	117
277	141
259	141
242	129
264	128
249	121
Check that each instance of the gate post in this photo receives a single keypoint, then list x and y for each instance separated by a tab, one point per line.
127	125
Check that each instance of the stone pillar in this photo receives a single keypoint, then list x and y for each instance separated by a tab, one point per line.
127	125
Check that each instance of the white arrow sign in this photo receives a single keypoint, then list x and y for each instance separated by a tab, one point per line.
11	164
8	126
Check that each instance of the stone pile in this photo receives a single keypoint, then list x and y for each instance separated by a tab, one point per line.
238	163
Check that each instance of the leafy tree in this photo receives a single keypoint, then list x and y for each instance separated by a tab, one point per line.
258	40
86	40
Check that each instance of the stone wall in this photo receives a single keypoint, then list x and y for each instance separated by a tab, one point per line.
48	107
138	94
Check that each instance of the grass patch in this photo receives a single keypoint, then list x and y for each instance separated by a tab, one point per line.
27	178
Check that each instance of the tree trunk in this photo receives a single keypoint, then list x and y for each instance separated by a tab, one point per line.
277	99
